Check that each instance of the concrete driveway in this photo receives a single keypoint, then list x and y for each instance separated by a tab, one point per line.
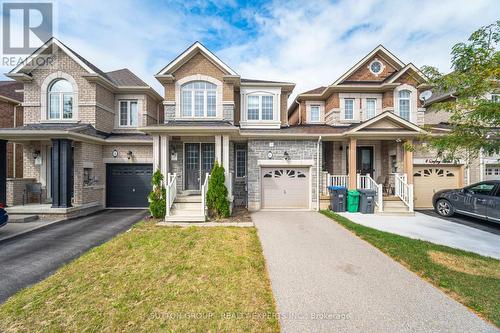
30	258
435	230
325	279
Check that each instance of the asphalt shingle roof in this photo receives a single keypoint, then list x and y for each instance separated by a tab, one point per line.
8	89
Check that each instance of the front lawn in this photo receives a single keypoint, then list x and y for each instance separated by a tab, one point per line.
154	279
469	278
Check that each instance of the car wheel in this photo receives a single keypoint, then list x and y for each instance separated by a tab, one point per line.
444	208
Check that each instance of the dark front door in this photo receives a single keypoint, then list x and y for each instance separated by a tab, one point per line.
192	166
364	160
128	185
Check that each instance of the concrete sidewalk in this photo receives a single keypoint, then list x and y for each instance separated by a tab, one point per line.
434	230
325	279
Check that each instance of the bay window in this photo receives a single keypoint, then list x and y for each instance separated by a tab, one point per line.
60	96
128	113
198	99
404	104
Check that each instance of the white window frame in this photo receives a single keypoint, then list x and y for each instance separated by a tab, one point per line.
236	162
409	98
321	115
353	108
246	92
193	98
128	101
311	114
61	96
260	107
374	107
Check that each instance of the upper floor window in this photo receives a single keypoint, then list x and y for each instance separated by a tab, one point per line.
371	107
60	100
315	113
260	107
404	104
349	108
128	113
198	99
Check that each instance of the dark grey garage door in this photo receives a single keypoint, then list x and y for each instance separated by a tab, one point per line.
128	185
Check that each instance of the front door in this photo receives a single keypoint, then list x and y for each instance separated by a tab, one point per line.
364	160
199	159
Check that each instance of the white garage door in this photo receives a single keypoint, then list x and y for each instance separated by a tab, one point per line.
285	188
428	179
491	172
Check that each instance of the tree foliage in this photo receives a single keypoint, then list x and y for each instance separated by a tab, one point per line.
474	118
217	202
157	197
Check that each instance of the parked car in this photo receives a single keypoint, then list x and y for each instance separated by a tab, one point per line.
4	217
481	200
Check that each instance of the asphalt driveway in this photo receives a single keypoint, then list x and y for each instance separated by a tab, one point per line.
325	279
30	258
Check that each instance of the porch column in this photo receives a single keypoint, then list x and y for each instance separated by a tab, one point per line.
218	149
225	152
408	162
164	156
156	152
3	172
62	169
352	164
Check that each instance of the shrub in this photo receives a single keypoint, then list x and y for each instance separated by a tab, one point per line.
157	197
217	203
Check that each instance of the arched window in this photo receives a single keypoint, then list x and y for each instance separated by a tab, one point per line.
404	104
60	105
198	99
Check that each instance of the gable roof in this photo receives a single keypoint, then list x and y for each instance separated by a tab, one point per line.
386	121
380	49
189	53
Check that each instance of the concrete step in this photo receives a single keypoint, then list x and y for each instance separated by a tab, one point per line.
22	218
185	218
187	205
394	204
187	198
186	212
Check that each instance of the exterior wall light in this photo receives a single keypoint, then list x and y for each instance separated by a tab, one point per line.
36	153
114	153
287	156
129	154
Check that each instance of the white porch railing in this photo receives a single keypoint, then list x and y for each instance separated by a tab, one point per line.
204	189
367	182
338	180
171	191
404	190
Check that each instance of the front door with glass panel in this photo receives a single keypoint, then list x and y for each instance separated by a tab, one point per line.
199	160
364	160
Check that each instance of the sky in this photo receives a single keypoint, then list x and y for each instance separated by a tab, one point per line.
310	43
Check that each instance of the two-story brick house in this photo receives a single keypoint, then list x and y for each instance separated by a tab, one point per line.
93	139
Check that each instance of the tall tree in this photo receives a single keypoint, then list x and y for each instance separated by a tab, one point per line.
474	118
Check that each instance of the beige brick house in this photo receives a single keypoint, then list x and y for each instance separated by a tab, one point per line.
92	139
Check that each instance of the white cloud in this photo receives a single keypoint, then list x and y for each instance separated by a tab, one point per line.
298	41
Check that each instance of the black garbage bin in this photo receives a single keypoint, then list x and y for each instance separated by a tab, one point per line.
338	198
367	201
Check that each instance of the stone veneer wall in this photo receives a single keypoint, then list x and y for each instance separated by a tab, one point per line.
297	149
228	112
169	111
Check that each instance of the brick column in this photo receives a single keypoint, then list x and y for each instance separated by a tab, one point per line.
3	172
408	162
352	164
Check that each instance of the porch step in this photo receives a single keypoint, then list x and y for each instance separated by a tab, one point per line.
22	218
187	198
186	205
394	206
185	216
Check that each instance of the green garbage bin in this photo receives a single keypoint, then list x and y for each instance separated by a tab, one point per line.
352	201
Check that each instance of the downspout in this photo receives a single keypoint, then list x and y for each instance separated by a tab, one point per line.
318	174
300	113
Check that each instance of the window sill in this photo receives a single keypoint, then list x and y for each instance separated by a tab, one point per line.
58	121
350	121
256	124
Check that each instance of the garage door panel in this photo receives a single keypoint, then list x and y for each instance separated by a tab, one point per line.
285	188
430	179
128	185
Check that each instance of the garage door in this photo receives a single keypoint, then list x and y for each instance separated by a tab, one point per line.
285	187
430	179
491	172
128	185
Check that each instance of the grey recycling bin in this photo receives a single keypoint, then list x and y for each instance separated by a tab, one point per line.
338	198
367	201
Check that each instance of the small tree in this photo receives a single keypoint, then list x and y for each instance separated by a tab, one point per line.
217	203
157	197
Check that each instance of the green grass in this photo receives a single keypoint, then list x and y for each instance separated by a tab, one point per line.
154	279
471	279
